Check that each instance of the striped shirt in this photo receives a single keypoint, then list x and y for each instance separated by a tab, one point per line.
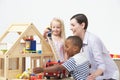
78	66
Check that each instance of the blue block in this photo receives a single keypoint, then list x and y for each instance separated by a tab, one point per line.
33	45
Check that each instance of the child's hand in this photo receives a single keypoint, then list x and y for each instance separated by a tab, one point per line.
37	70
45	33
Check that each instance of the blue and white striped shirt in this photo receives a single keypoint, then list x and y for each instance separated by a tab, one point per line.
78	66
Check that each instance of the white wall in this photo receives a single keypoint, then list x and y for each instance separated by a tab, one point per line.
103	15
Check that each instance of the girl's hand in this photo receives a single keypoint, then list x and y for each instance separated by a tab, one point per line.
45	33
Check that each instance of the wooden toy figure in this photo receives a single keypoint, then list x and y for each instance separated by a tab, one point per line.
26	74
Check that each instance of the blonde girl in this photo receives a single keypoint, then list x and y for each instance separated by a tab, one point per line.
57	38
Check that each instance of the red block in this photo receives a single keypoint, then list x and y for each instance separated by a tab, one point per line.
40	76
111	55
118	56
33	77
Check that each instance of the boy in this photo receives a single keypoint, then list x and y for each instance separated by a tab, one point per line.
77	64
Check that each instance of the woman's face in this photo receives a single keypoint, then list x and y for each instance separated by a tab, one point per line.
76	27
56	28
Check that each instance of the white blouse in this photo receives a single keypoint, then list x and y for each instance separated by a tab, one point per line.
99	57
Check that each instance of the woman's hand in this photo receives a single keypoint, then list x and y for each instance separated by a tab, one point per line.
91	77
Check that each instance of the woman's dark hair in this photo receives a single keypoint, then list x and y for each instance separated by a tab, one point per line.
80	19
77	41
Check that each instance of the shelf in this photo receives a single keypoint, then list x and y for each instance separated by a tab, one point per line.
116	58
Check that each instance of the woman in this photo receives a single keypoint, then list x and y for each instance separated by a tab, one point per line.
102	65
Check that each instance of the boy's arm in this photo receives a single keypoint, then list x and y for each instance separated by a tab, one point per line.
49	69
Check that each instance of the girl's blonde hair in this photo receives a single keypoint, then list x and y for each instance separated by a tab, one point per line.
62	35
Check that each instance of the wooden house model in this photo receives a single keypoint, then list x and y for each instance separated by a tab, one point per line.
28	43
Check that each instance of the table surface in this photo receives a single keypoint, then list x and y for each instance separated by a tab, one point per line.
70	78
